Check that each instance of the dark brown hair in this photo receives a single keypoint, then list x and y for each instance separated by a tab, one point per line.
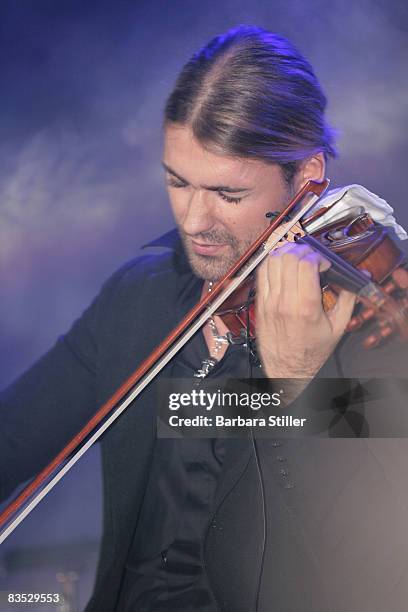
250	93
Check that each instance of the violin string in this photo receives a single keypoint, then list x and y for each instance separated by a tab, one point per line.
351	274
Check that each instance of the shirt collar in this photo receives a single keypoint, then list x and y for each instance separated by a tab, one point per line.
189	284
171	240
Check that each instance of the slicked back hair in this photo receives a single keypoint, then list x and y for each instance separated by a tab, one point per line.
250	93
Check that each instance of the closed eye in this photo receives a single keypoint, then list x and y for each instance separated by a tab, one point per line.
174	182
229	199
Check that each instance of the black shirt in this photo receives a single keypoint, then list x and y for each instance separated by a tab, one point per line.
164	570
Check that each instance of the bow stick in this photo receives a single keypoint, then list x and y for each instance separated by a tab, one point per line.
36	490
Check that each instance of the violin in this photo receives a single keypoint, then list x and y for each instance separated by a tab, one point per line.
354	247
370	249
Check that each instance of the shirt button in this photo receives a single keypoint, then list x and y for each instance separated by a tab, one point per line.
216	525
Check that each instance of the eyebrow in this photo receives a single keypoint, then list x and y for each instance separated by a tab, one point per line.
208	187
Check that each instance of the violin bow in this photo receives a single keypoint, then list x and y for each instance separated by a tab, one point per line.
45	481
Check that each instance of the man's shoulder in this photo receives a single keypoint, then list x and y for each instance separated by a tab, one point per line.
144	267
172	263
146	282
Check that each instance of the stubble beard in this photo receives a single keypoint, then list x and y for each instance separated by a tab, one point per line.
213	268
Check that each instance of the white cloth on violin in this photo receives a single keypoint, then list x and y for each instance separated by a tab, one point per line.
351	196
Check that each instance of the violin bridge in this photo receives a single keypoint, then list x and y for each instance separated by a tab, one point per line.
286	232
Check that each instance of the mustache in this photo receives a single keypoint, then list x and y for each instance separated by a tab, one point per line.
212	237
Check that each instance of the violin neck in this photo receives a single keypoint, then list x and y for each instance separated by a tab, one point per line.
341	272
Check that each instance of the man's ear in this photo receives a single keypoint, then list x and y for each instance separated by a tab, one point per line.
311	169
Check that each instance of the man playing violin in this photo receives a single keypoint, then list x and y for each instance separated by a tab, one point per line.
204	524
290	317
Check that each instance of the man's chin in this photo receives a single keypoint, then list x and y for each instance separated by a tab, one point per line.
210	267
207	267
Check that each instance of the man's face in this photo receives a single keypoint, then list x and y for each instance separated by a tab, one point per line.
219	203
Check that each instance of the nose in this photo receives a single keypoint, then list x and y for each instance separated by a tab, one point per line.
198	217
